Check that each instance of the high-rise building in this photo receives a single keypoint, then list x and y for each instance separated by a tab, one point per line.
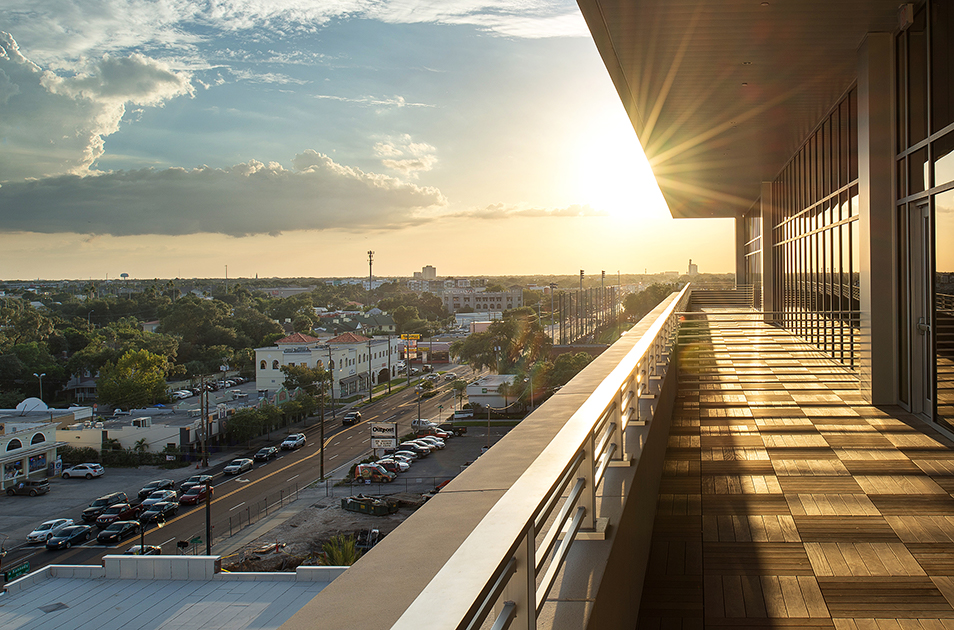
429	272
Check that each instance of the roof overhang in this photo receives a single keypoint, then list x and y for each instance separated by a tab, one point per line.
722	94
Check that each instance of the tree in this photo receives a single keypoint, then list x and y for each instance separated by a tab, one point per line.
137	379
245	424
508	346
460	390
566	366
304	377
340	551
638	305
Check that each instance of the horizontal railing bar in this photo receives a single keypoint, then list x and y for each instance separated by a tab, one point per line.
486	606
546	545
506	617
604	463
557	494
550	576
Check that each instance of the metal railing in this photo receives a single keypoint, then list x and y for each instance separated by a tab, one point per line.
511	560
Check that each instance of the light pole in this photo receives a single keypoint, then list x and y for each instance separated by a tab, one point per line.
331	383
40	376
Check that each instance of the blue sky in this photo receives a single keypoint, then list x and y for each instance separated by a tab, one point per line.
170	138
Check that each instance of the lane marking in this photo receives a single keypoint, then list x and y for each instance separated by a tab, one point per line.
295	477
332	457
237	506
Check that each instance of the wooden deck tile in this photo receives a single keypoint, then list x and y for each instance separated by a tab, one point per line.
745	504
756	559
884	597
830	505
845	528
738	467
922	529
934	558
855	559
818	484
740	484
924	505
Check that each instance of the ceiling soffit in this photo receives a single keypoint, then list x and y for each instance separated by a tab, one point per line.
721	94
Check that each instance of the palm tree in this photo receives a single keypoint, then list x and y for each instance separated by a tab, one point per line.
340	551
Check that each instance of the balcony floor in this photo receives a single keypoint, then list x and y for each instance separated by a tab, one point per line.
788	502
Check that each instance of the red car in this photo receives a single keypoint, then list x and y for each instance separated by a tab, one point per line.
118	512
195	495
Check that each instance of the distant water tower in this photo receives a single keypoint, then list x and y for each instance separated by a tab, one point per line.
124	276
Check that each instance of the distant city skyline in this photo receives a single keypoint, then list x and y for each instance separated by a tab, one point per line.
286	140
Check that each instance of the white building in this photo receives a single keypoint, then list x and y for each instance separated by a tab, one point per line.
28	441
456	300
486	391
351	358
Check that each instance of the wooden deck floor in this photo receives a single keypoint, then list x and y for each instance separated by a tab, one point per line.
787	502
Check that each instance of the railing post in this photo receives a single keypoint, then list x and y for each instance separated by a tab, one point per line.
588	472
522	587
618	416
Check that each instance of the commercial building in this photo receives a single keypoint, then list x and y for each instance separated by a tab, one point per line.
28	442
486	391
351	358
456	300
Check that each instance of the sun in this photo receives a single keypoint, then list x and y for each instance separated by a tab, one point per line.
611	172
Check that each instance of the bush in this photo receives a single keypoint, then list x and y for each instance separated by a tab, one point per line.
72	455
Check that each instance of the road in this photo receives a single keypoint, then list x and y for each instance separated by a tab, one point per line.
270	481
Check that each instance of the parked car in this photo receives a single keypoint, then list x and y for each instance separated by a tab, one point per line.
293	441
406	454
195	495
423	444
118	512
265	453
393	465
158	484
430	439
159	511
238	466
159	495
48	529
372	473
145	550
96	508
428	367
194	480
417	449
31	487
84	470
403	457
434	431
451	428
69	536
351	418
118	531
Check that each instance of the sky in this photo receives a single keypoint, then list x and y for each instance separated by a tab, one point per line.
175	138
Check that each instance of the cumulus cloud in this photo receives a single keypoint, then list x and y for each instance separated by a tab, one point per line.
401	153
64	31
499	211
248	198
52	124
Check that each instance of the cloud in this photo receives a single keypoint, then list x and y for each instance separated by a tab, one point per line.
248	198
372	101
53	125
499	211
415	156
266	77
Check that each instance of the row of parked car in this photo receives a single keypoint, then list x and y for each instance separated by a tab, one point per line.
211	386
430	438
116	517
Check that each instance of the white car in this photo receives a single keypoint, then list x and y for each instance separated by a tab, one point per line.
439	443
158	496
182	394
400	463
48	529
84	470
402	458
293	441
238	466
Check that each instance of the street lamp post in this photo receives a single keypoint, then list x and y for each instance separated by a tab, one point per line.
40	376
331	382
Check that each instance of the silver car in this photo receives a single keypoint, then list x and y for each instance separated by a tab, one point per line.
48	529
238	466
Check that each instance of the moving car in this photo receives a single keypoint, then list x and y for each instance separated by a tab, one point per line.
351	418
159	511
159	495
293	441
118	531
194	480
69	536
96	508
48	529
84	470
195	495
145	550
118	512
265	453
158	484
238	466
29	487
450	376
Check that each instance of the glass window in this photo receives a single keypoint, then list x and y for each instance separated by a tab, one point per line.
917	79
944	160
918	171
944	303
942	65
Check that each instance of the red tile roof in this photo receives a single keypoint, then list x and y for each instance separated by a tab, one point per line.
298	338
349	337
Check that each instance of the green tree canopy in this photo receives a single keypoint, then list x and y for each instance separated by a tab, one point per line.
137	379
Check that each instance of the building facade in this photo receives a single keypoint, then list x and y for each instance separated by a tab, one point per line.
354	361
456	300
841	182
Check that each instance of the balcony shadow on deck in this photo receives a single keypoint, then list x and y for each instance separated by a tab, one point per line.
787	501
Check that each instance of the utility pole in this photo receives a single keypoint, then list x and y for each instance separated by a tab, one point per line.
208	517
331	384
321	415
370	285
